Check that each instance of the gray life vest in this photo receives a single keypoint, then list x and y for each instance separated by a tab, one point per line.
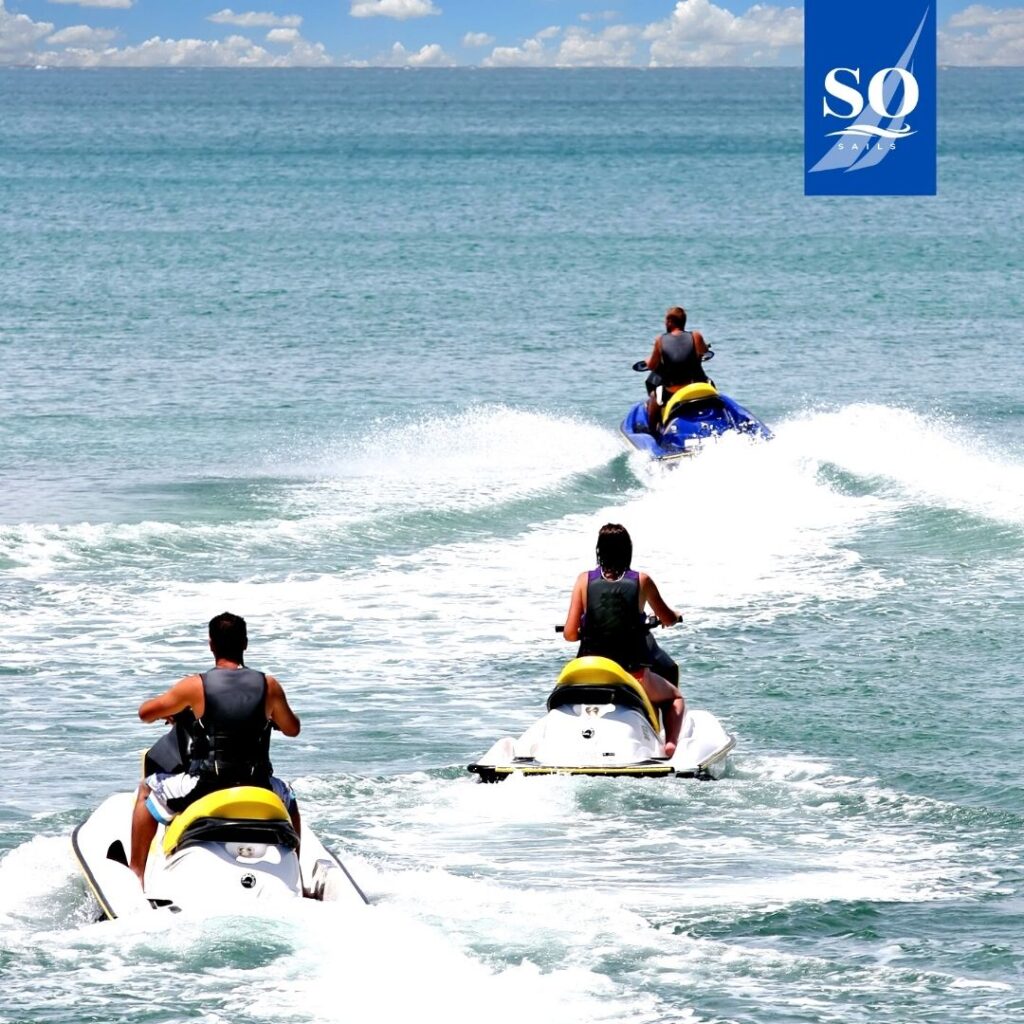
232	739
680	365
613	624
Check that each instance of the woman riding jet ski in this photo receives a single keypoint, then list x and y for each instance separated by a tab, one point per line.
601	716
231	831
684	407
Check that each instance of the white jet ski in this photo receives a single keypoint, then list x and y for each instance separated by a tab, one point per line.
229	851
601	722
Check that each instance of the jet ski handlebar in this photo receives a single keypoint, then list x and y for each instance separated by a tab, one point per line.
641	364
650	622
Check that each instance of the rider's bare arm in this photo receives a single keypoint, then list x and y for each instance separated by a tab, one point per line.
700	346
571	630
278	710
652	596
186	693
654	359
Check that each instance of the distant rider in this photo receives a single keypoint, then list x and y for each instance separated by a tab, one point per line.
674	362
606	615
235	708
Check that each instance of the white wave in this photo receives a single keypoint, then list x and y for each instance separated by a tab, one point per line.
784	835
749	526
487	455
315	962
436	970
926	459
741	533
34	879
479	459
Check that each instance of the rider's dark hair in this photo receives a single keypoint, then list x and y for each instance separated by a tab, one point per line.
676	317
614	549
228	637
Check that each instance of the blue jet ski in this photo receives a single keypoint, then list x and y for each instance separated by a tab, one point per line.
691	415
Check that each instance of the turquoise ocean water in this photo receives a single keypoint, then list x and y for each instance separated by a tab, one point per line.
345	352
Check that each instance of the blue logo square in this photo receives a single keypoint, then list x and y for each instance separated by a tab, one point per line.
869	97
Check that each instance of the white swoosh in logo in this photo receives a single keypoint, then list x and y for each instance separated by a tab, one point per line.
870	129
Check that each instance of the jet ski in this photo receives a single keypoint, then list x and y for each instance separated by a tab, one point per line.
230	851
600	721
691	416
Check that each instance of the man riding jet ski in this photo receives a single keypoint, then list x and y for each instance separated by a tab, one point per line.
235	708
602	715
230	827
684	408
675	362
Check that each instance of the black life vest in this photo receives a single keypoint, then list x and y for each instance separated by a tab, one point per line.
231	742
680	365
613	624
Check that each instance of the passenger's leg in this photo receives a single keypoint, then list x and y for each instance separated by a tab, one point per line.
661	663
661	691
652	413
143	833
284	793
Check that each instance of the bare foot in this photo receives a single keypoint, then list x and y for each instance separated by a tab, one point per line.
670	749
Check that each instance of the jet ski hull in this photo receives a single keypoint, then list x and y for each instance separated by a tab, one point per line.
691	425
235	870
528	766
599	722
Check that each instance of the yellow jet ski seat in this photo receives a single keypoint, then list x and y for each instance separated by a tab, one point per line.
240	814
690	393
594	680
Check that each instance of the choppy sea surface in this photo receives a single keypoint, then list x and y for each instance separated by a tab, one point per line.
345	353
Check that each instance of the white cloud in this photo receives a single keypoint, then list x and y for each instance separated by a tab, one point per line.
87	47
531	53
305	54
82	35
400	10
614	46
290	36
998	39
18	34
430	56
284	35
97	3
979	16
255	19
233	52
698	33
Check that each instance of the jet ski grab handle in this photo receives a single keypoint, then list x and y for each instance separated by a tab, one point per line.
641	364
650	622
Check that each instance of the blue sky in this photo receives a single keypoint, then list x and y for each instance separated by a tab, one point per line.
446	32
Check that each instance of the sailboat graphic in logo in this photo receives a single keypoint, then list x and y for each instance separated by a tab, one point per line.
846	154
